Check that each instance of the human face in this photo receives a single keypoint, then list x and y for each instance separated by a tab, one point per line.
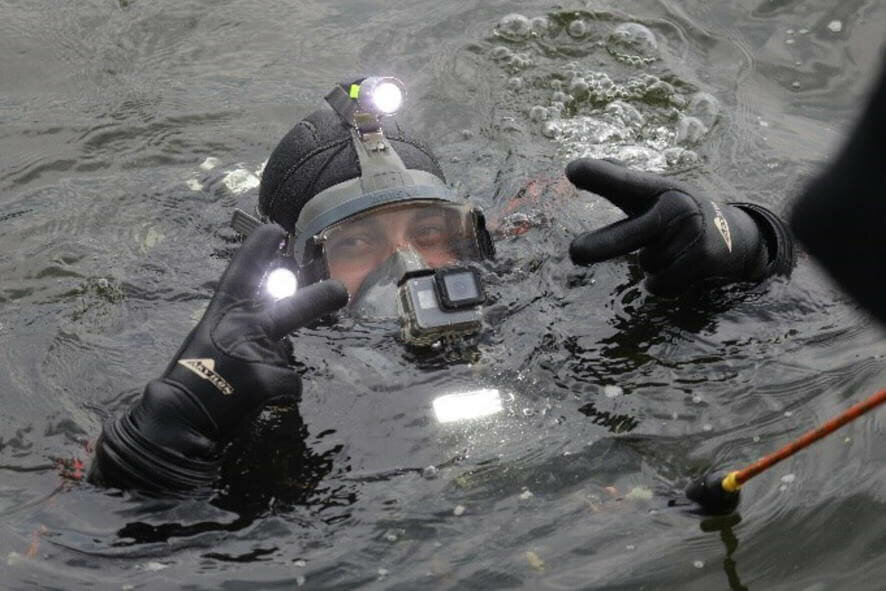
441	233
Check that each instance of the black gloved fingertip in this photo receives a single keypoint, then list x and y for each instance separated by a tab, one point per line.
577	253
575	169
336	292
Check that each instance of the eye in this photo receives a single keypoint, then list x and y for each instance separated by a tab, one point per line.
431	233
353	245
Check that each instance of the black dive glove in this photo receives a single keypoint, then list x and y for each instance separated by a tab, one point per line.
233	362
683	239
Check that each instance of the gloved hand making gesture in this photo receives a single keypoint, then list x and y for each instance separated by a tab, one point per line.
683	237
233	363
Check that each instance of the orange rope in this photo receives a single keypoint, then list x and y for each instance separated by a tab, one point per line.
810	437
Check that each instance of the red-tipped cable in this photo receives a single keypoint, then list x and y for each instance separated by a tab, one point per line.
718	494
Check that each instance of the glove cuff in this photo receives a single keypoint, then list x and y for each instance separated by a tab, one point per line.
124	458
777	238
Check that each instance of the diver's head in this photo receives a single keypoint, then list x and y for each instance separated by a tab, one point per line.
366	204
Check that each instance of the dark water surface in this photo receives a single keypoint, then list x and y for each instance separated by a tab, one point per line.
130	131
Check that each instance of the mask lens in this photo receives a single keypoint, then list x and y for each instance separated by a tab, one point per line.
441	234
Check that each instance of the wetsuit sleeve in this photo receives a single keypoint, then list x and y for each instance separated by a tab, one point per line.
777	239
841	216
136	452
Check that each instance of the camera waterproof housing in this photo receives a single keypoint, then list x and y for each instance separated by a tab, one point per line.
440	304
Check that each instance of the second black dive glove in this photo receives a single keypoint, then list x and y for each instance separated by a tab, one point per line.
682	238
233	362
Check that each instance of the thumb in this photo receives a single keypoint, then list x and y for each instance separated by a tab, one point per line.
632	191
307	304
616	239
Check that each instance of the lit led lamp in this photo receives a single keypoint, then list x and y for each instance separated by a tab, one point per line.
380	95
281	283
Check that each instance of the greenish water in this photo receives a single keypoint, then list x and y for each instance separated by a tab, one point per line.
132	129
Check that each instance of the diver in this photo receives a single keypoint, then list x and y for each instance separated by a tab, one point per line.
362	220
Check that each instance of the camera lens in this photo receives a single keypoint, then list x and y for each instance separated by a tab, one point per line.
460	286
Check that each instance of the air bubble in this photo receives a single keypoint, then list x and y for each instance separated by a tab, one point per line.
538	113
690	130
660	90
520	60
577	28
705	108
627	114
500	52
550	130
514	27
540	25
680	157
634	39
578	88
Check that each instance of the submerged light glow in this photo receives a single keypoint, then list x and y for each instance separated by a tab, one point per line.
467	405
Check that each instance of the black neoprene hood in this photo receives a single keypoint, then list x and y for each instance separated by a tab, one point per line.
318	153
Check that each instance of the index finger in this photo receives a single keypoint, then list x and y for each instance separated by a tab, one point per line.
620	238
245	272
307	304
630	190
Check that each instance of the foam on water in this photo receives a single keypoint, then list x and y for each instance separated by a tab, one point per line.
589	107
